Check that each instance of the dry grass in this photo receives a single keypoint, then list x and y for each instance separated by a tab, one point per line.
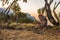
29	33
26	35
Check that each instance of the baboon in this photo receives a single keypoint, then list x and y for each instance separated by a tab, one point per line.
42	19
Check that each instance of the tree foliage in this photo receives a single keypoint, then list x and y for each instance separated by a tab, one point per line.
22	18
14	6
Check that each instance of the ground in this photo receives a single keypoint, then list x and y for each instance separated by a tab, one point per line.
29	33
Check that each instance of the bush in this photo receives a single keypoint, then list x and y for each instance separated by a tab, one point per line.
25	20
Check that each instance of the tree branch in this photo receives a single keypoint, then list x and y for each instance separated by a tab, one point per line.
56	5
10	5
50	2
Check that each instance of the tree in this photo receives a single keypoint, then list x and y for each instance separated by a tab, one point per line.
14	6
3	17
22	18
49	12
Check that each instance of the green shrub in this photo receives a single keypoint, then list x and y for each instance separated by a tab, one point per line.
25	20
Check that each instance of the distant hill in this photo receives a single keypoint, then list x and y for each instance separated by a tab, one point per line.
3	9
29	16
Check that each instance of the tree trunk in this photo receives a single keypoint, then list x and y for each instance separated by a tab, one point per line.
49	14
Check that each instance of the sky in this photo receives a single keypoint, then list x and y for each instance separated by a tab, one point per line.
32	6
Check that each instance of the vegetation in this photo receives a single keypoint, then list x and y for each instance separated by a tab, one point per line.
17	26
22	18
48	11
